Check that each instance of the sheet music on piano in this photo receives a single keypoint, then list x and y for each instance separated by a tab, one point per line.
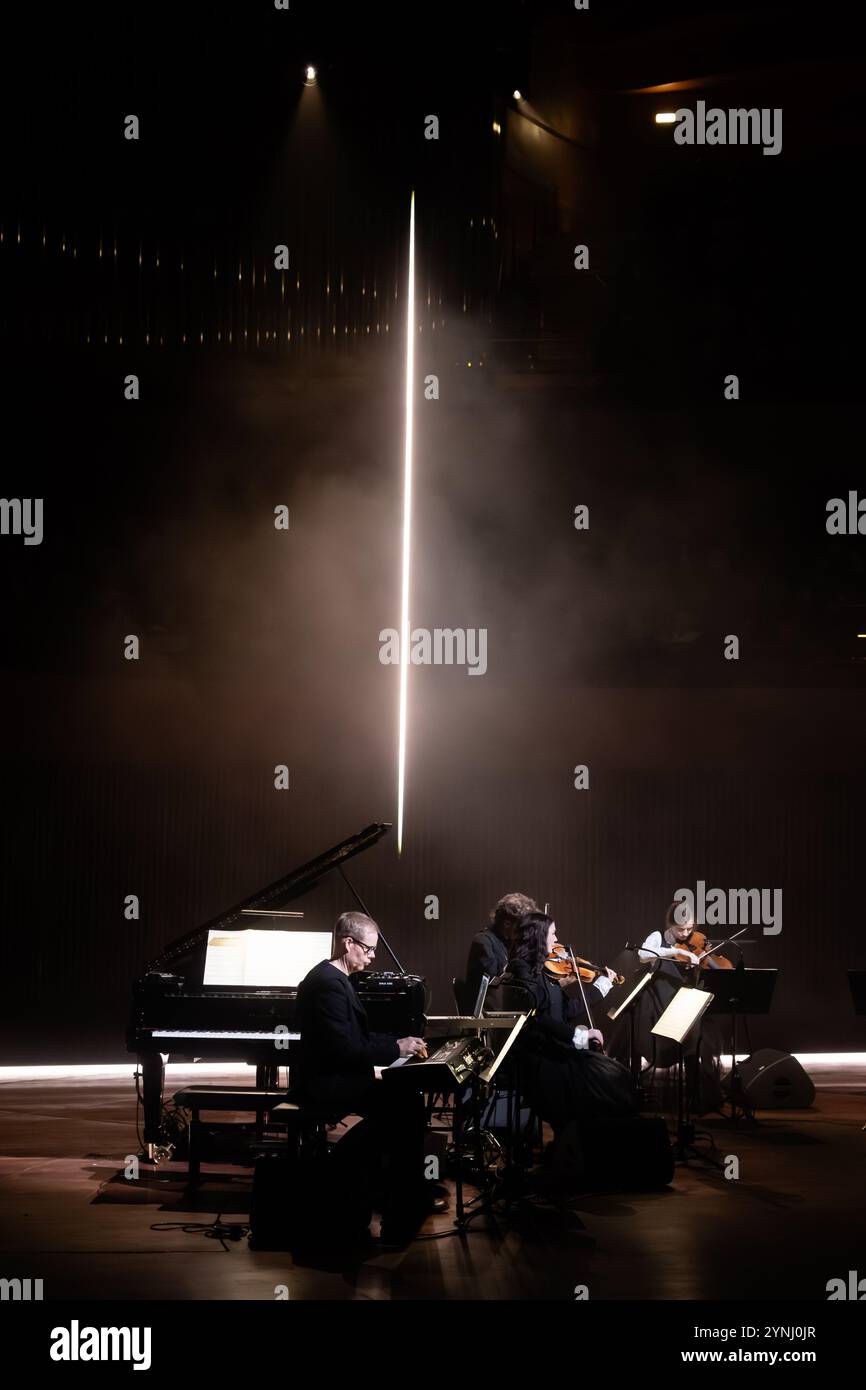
253	957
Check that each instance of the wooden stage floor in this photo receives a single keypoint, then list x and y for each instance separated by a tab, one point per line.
794	1219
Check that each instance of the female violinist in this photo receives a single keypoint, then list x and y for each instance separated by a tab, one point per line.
672	943
560	1074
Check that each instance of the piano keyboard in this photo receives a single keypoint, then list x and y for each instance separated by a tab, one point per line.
219	1034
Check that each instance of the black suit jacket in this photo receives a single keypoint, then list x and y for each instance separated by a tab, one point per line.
337	1051
488	955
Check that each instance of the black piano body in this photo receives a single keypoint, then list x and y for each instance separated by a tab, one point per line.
174	1015
196	1026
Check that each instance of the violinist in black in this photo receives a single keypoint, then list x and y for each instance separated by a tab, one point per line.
490	948
560	1074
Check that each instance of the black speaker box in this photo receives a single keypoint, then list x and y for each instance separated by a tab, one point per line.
294	1205
625	1155
774	1081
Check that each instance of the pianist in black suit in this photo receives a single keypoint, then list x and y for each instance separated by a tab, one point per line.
334	1073
490	948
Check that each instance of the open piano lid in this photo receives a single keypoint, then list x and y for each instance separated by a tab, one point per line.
292	885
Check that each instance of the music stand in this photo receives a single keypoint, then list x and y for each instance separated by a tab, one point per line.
486	1076
739	992
635	988
686	1008
481	997
492	1067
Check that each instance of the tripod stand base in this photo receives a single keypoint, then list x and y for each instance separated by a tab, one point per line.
735	1097
683	1145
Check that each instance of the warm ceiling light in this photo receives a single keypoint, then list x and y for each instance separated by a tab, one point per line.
518	96
309	76
665	117
497	128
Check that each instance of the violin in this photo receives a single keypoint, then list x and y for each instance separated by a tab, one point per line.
561	965
697	943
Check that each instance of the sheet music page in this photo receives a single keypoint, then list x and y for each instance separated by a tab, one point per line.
283	957
225	961
255	958
682	1013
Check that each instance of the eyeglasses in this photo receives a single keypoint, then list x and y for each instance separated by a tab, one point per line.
369	951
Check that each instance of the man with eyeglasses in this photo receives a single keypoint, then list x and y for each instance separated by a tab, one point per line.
334	1072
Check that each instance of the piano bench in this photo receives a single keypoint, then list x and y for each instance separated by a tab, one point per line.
198	1098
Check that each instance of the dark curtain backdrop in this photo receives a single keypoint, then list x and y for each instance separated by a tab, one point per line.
191	844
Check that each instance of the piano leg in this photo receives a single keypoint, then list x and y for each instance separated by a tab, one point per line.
153	1083
267	1079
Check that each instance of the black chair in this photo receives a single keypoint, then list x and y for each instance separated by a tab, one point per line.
462	999
306	1127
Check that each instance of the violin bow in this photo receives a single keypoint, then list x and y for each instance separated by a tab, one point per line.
713	949
580	982
576	974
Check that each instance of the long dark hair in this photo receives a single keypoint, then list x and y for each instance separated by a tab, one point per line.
530	940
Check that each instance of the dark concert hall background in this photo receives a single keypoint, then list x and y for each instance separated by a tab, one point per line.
557	388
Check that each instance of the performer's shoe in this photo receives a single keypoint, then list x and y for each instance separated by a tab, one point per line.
438	1197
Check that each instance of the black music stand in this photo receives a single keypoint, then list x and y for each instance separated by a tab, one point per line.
737	993
677	1021
629	994
487	1189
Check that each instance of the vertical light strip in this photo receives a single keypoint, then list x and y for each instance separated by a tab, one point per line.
407	526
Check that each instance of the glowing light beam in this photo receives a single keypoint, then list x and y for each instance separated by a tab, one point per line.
407	526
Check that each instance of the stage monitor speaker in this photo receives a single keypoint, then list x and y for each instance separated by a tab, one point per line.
620	1155
775	1081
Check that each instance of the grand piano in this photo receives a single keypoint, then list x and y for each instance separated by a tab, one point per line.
174	1015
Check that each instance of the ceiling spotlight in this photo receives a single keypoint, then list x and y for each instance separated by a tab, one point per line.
518	95
497	128
309	76
665	117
